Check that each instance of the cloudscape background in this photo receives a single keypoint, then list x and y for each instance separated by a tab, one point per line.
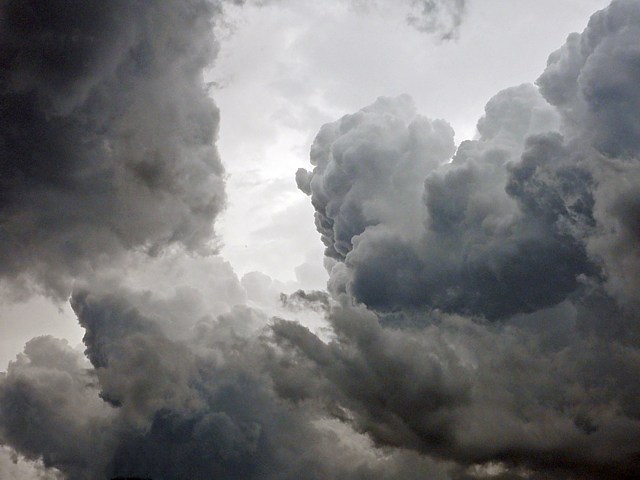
290	239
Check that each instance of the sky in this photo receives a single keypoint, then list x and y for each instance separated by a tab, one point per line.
347	239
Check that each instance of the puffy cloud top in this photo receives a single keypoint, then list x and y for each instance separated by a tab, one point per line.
593	79
475	235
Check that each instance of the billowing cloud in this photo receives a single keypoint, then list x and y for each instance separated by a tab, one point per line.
560	403
534	224
107	134
368	165
474	235
151	406
592	80
482	317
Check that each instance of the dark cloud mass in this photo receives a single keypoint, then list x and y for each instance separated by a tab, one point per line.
564	406
477	235
152	407
534	224
107	134
482	316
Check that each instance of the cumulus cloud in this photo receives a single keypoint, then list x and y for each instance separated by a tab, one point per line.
368	165
481	320
108	134
592	80
499	330
474	235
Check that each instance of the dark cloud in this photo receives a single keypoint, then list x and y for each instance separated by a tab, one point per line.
477	395
150	406
50	408
108	133
300	300
478	235
616	240
592	80
533	223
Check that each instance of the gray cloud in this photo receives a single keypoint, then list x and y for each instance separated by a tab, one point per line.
478	235
16	468
592	80
443	17
50	408
533	223
361	163
615	241
482	320
108	133
150	406
564	407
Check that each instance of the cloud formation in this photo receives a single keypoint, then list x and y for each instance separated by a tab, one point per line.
474	235
558	403
107	135
482	317
500	332
152	406
443	17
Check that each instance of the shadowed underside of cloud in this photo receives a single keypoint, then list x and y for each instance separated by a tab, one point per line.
149	406
518	216
483	318
564	406
481	234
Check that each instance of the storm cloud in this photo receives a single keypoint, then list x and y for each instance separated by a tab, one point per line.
500	327
151	406
413	225
481	319
107	135
542	393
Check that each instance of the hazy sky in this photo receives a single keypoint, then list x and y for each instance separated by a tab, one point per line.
411	251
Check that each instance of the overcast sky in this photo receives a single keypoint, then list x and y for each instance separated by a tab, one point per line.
440	283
